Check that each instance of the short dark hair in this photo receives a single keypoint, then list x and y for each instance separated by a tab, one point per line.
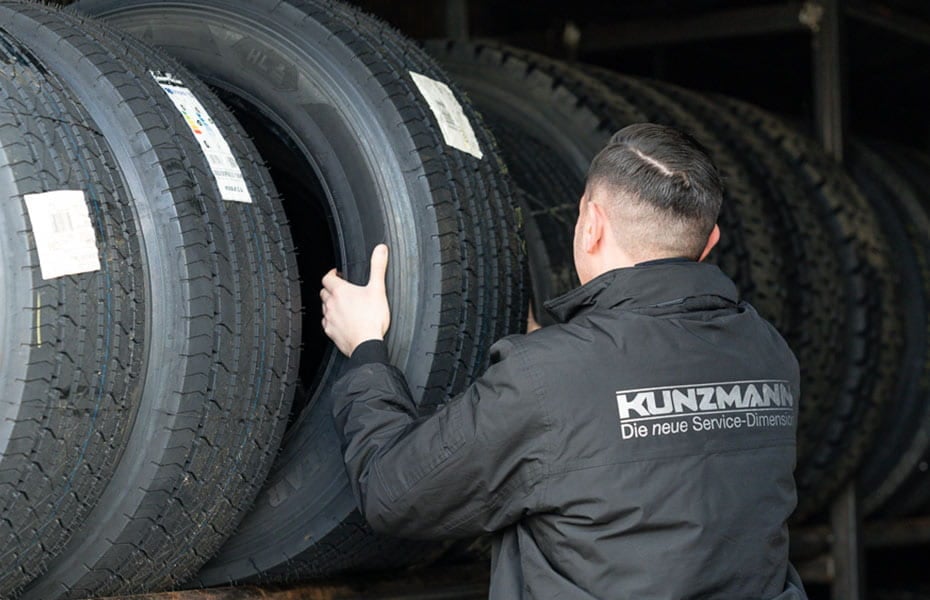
669	171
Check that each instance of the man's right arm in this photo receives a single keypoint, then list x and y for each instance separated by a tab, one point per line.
478	464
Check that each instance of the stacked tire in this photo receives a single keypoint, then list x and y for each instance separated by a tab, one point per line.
893	476
130	370
150	376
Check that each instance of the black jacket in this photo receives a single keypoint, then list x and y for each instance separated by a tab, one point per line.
642	449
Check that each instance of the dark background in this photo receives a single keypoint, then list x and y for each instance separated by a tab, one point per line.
888	92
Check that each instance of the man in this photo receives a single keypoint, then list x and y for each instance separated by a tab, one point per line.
642	448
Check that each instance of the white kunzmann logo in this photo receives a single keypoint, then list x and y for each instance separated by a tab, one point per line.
704	407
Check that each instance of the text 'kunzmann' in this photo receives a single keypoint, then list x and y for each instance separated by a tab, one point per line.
648	412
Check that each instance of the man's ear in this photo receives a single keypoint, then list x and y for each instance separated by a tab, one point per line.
712	240
592	233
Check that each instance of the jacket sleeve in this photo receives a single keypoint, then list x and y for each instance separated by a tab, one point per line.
477	464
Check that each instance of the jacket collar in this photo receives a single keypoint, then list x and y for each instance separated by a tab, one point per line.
647	284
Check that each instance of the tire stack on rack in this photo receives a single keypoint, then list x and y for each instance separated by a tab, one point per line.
160	235
151	311
894	476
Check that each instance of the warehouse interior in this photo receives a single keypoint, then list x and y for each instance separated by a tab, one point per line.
841	71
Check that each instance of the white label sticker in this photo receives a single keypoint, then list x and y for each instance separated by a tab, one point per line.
64	235
455	126
221	159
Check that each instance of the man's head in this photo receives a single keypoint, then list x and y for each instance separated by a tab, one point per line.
652	192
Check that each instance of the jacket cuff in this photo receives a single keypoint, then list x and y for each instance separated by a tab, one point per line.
372	351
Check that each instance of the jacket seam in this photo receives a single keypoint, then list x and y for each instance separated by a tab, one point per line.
538	476
531	371
434	462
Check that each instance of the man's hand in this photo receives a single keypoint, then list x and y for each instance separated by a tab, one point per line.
353	314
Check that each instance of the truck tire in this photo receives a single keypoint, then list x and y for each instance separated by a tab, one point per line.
339	88
894	475
222	320
868	348
71	346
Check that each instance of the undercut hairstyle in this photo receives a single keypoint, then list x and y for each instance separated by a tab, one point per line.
664	192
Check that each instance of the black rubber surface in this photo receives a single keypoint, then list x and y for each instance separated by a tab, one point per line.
906	225
222	324
336	84
71	347
897	471
868	348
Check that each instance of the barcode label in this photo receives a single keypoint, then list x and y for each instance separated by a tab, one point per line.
64	236
219	156
455	127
